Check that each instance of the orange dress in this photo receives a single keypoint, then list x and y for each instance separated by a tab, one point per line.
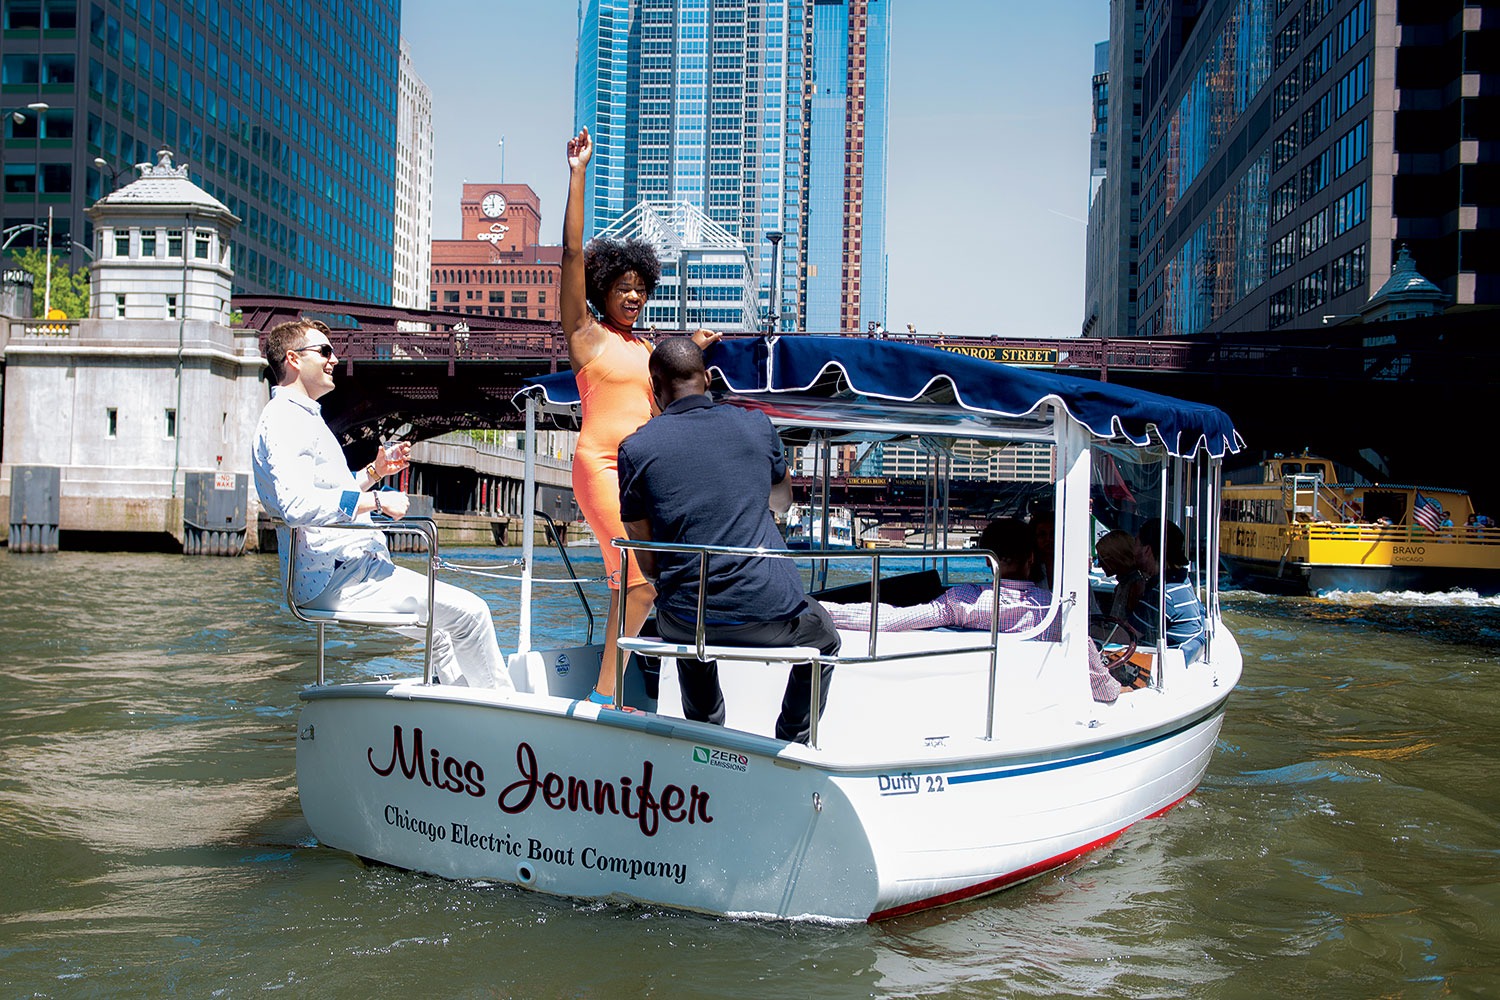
615	391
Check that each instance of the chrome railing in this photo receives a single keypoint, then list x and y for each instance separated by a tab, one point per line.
422	526
874	557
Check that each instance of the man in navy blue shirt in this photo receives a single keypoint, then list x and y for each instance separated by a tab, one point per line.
702	474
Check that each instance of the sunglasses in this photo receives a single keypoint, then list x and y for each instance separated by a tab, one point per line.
324	349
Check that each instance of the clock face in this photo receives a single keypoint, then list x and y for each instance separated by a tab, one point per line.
493	204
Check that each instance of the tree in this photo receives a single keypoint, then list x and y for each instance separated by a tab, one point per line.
70	288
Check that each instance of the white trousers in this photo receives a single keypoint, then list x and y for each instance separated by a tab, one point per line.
464	649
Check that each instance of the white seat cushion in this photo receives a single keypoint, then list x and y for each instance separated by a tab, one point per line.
688	650
380	619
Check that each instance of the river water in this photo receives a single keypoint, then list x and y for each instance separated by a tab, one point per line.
1345	843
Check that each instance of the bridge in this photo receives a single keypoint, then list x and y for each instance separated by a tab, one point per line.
1409	394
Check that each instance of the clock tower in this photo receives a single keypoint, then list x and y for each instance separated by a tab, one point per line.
508	217
499	267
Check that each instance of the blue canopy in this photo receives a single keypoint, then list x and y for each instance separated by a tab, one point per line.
883	370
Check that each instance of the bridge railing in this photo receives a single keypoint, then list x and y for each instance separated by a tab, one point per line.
449	346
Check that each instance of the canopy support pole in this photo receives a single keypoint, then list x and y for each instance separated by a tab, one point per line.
528	529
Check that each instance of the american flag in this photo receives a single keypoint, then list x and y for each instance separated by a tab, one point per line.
1426	513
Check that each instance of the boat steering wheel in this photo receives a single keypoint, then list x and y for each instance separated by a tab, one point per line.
1117	641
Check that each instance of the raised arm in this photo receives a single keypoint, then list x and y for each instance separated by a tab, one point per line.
583	335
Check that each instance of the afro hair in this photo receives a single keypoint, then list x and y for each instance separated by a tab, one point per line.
604	260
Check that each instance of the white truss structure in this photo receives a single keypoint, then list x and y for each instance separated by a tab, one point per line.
721	285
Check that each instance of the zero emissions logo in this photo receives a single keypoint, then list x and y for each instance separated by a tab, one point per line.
721	758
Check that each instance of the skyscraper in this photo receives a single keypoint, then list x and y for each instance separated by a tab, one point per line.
709	102
1287	150
1096	255
288	119
846	265
410	275
1110	278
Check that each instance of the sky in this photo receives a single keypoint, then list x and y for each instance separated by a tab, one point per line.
988	159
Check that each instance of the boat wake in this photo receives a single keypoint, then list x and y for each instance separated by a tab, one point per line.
1369	599
1413	598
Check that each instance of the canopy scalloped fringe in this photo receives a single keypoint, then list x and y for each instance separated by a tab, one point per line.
902	372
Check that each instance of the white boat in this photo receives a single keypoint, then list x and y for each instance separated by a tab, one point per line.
948	764
804	527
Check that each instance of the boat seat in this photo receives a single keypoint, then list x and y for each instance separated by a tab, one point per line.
375	619
688	650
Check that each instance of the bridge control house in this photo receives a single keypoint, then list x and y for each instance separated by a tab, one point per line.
131	428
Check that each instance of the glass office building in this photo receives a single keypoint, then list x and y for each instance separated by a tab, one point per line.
284	111
710	102
1282	152
700	101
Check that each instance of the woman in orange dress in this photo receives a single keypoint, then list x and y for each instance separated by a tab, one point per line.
609	359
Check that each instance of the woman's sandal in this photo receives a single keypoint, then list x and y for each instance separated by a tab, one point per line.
607	701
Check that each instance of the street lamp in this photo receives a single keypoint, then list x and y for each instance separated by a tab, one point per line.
19	114
16	231
114	172
773	318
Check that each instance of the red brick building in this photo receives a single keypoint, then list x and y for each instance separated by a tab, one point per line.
498	267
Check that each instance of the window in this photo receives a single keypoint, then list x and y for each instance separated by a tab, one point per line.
171	423
1347	273
1313	233
451	295
1313	11
122	244
57	68
1315	175
516	297
497	296
111	421
1354	25
1288	39
171	307
1351	148
24	14
1285	148
1283	253
201	241
20	69
174	242
57	178
1352	87
148	243
518	312
1284	200
1310	290
119	306
1349	210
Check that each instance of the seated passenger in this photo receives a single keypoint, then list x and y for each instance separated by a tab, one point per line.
1184	614
1022	605
1119	555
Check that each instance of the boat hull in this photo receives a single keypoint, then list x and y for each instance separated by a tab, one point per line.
553	796
1314	578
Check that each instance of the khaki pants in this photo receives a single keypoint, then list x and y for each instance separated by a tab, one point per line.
464	649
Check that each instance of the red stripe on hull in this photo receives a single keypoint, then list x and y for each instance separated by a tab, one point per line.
1004	881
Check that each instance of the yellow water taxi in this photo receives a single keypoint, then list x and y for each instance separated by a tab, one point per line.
1300	524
